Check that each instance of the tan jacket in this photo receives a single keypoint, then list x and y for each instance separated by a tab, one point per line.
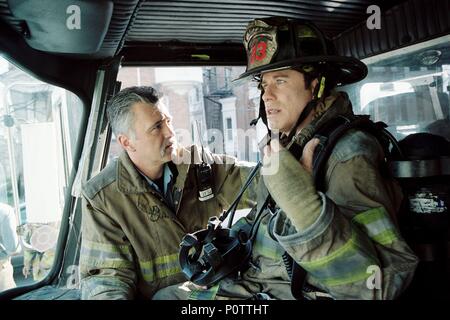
130	237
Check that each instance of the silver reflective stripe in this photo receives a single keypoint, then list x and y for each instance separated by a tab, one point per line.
102	255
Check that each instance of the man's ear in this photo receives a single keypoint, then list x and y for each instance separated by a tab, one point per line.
126	143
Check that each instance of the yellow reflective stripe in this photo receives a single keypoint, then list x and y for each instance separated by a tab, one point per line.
386	237
204	294
377	224
346	265
326	260
370	215
166	259
101	263
265	251
124	249
360	276
265	246
160	267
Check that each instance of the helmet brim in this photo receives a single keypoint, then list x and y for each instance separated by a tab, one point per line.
349	69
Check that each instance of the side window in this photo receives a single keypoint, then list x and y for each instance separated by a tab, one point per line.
39	124
408	89
205	100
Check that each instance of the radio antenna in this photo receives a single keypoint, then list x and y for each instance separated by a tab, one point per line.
200	138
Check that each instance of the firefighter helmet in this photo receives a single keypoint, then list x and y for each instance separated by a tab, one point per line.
279	43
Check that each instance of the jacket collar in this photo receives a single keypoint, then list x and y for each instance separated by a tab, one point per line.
332	106
129	180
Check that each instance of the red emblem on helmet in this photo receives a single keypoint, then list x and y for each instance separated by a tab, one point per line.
258	52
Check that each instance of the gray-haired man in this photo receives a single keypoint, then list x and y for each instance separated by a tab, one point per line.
137	209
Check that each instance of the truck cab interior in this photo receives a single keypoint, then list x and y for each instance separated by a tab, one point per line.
61	61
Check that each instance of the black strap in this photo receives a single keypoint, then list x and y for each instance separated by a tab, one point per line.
298	280
297	275
303	115
330	133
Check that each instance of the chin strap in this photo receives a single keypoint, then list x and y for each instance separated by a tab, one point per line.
311	105
262	114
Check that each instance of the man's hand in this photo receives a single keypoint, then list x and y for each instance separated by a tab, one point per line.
291	184
307	157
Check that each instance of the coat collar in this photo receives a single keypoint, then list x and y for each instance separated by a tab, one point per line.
129	180
334	105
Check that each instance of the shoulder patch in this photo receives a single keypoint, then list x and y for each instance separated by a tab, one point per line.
101	180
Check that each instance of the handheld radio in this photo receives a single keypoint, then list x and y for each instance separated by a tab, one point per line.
204	175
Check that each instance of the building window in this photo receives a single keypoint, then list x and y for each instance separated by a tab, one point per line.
197	94
229	129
